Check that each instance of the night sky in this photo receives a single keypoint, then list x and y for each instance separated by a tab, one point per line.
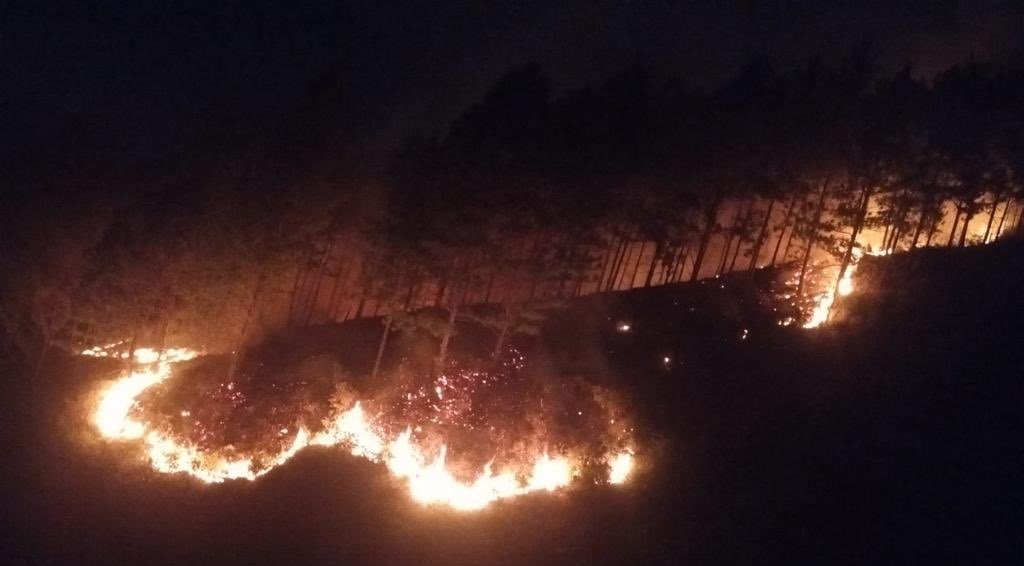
145	76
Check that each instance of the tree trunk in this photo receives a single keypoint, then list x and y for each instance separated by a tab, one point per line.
921	222
991	218
623	265
967	223
298	285
362	303
499	344
380	349
956	223
740	234
728	241
658	250
616	263
442	354
244	333
857	225
1002	219
785	224
682	264
710	220
755	253
319	282
606	261
343	291
789	240
812	237
932	226
636	266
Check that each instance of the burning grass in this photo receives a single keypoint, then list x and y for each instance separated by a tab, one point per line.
462	438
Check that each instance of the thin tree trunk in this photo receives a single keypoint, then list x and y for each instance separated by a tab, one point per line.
343	291
755	254
380	349
319	282
636	266
298	286
967	222
658	250
682	265
442	354
606	261
932	225
362	303
895	240
857	225
789	240
332	304
956	223
499	344
613	270
728	242
710	220
921	221
785	224
991	218
244	333
620	271
617	267
812	237
739	235
675	268
1002	219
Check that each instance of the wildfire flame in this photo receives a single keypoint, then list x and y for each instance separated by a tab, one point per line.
429	481
821	310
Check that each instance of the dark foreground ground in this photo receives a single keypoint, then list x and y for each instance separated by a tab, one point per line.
893	436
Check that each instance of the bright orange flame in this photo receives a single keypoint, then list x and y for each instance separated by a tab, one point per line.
819	315
621	465
429	480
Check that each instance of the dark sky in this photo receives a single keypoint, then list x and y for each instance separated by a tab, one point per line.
150	72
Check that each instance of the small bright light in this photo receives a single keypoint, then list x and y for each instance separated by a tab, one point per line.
624	327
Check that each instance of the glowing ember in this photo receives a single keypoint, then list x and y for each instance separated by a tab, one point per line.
429	480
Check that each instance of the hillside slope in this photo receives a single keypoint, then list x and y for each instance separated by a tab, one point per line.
890	435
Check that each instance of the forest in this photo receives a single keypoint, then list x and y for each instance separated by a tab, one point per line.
530	195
